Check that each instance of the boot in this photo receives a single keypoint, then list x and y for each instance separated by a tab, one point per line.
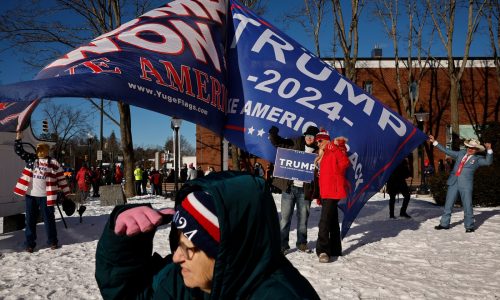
403	214
391	207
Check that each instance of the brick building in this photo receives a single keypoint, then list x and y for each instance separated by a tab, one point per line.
479	101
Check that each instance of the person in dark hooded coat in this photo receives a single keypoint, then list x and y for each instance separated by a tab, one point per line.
226	222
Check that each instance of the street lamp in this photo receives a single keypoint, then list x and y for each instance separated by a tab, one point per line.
175	124
422	117
90	137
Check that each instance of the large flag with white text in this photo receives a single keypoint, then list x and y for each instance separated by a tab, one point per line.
219	65
280	83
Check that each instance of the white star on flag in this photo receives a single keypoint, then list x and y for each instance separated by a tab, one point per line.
260	132
251	130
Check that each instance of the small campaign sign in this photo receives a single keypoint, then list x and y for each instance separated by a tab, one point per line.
294	165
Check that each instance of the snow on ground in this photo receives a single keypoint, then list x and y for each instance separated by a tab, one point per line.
383	258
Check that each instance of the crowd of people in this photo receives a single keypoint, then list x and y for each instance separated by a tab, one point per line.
226	238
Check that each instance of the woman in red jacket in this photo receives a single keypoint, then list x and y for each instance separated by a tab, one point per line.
118	175
83	179
333	163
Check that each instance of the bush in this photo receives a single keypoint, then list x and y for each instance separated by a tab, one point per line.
438	187
487	185
486	179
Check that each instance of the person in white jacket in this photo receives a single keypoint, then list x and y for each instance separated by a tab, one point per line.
192	173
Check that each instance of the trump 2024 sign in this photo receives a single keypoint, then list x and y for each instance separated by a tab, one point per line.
294	165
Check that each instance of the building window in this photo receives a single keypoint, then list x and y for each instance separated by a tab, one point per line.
368	87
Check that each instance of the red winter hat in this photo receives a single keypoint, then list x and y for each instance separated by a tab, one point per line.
322	135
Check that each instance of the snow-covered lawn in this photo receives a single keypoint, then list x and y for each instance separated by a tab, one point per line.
383	258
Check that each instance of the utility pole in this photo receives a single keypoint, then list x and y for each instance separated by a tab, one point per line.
100	138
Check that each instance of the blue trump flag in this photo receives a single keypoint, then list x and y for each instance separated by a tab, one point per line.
219	65
276	82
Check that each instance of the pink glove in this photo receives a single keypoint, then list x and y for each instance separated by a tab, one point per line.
140	219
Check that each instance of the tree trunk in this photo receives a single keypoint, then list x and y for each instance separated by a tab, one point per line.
415	166
454	118
127	148
235	157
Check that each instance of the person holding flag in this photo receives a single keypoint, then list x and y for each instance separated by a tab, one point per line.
461	179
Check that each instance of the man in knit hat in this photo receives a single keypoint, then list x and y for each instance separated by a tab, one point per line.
224	245
295	192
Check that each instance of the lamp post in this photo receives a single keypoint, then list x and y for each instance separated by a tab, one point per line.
422	117
90	137
175	124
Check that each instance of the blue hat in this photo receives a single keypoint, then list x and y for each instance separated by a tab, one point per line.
196	217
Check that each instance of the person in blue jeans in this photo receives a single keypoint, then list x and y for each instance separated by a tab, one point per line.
35	206
461	179
40	181
294	192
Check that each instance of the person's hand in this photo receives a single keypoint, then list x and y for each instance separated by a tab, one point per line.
487	146
274	130
19	135
140	219
431	139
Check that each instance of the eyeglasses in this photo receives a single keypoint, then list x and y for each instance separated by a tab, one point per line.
308	136
188	252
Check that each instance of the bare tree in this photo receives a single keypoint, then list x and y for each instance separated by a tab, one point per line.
112	147
409	73
492	17
186	149
28	31
409	77
348	37
476	99
443	16
310	16
65	123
